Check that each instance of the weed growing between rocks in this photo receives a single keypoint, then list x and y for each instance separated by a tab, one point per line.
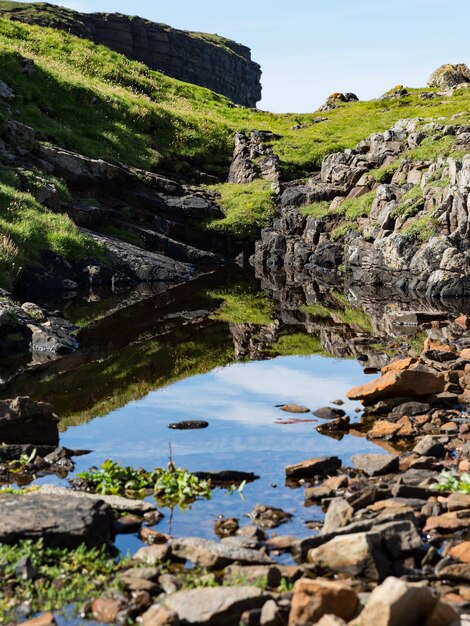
172	487
448	481
42	578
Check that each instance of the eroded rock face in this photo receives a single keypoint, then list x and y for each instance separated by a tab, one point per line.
224	67
60	522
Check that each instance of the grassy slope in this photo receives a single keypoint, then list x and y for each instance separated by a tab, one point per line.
89	99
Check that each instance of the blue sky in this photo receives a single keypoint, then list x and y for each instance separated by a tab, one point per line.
310	48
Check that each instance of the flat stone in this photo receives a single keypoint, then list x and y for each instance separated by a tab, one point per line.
227	476
329	413
211	554
294	408
313	599
447	522
156	553
214	606
118	503
189	425
59	521
320	466
458	502
407	382
376	464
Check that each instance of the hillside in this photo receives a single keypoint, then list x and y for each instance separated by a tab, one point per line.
199	58
97	103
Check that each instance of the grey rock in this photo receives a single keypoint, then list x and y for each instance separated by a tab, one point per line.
117	503
376	464
211	554
449	75
320	466
58	521
328	413
397	603
217	606
430	446
339	514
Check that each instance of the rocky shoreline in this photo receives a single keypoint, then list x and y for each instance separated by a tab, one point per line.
391	548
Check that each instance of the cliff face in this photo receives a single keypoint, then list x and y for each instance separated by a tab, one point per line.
219	64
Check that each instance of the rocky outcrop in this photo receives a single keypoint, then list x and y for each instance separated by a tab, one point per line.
448	76
253	158
219	64
409	232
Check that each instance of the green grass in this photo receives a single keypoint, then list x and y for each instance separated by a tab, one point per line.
317	310
26	228
422	229
354	208
355	317
318	210
95	101
297	344
247	208
63	577
410	204
241	306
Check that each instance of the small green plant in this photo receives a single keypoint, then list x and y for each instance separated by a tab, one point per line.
172	486
355	208
448	481
61	576
231	489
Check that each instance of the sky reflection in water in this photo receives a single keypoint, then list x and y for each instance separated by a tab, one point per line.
239	402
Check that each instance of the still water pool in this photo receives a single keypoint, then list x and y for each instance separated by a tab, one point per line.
245	433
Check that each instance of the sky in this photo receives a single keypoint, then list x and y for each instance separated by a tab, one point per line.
308	49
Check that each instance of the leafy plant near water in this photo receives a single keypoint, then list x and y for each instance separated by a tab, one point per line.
448	481
172	486
61	576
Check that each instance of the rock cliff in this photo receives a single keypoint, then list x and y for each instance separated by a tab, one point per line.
219	64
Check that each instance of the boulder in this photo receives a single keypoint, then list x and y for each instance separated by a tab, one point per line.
158	615
211	554
216	606
58	521
339	514
320	466
313	599
357	554
403	383
376	464
449	75
397	603
24	421
329	413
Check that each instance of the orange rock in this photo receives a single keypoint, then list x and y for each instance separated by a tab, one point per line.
105	610
462	321
402	383
382	429
314	598
158	615
153	536
465	354
464	465
461	552
446	522
402	364
46	619
432	344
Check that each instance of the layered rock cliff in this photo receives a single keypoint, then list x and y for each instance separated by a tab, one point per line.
219	64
